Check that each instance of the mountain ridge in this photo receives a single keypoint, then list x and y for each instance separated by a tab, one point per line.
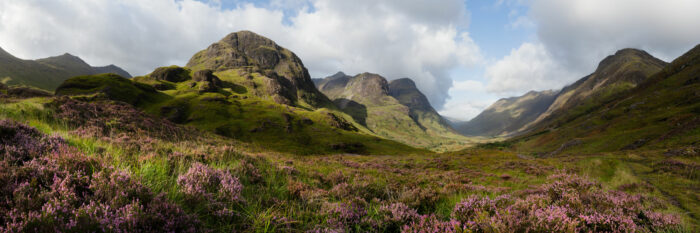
48	73
616	73
392	109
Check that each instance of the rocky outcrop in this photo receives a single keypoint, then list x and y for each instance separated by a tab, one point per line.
290	82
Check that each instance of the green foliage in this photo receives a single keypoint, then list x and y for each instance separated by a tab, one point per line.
112	86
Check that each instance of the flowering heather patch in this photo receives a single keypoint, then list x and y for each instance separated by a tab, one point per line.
571	203
345	215
56	189
431	224
20	143
113	120
396	215
213	187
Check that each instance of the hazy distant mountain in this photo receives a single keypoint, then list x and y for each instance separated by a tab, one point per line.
48	73
508	115
396	110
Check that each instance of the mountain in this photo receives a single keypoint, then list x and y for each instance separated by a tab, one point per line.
247	88
395	110
662	111
288	81
48	73
508	115
619	72
615	74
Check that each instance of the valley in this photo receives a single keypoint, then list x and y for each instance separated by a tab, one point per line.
242	139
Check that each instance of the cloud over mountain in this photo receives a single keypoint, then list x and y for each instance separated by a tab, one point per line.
394	38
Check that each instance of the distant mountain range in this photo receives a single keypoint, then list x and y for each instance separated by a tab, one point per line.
48	73
396	110
245	87
616	73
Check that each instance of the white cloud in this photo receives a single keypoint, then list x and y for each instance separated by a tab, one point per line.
419	39
467	85
574	36
464	109
530	67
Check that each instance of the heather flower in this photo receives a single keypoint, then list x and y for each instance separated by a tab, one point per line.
46	186
203	182
430	224
393	216
345	215
570	203
213	188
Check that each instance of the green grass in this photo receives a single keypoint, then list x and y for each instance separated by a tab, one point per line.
389	178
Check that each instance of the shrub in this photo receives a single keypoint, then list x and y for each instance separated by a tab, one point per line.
214	188
571	203
50	187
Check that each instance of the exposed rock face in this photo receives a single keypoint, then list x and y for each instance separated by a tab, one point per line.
206	76
290	82
397	110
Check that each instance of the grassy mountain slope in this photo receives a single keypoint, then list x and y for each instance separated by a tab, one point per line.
616	73
47	73
661	112
288	81
252	102
508	115
395	110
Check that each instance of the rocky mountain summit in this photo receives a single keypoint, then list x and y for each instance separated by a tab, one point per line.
288	81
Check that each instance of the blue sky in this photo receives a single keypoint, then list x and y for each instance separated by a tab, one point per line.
463	55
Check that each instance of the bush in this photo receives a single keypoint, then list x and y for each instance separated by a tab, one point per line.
47	186
571	203
214	188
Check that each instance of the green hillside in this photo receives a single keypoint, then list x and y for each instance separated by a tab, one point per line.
48	73
395	110
662	112
269	106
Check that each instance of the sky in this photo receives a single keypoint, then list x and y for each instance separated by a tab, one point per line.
463	55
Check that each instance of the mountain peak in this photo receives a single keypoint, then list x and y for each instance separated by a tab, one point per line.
625	56
370	85
403	82
339	74
288	78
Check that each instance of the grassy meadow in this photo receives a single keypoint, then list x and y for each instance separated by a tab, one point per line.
106	166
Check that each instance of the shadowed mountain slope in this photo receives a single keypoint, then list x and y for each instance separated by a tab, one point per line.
661	112
48	73
395	110
615	74
508	115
